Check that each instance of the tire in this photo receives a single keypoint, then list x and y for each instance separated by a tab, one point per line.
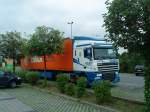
12	84
136	74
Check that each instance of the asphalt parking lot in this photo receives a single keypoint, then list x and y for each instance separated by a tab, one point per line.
131	80
130	87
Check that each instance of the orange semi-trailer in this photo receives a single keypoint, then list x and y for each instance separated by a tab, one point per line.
55	62
82	56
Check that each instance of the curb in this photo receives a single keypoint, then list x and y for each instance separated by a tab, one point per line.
117	97
129	100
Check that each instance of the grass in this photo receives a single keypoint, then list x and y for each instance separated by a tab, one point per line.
125	106
118	104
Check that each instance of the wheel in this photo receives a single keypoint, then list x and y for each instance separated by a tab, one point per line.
12	84
136	74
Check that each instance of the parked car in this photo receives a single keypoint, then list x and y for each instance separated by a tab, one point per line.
139	70
9	79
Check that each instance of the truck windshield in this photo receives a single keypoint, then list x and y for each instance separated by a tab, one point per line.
104	53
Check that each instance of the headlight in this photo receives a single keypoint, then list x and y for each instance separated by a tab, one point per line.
18	78
99	75
116	73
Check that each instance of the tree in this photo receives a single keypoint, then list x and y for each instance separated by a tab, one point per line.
24	48
127	23
10	44
128	61
45	41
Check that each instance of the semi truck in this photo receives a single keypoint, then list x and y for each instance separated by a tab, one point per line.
90	57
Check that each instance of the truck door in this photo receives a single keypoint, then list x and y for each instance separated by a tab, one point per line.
88	53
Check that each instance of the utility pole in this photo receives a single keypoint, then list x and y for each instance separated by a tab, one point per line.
71	23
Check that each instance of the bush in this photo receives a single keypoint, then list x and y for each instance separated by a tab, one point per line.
70	89
32	77
22	74
102	91
147	88
81	86
62	80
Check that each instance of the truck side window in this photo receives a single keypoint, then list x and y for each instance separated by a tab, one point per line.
88	53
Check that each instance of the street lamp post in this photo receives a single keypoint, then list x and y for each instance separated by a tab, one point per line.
71	27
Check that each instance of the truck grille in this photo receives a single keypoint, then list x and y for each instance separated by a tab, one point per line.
108	67
108	70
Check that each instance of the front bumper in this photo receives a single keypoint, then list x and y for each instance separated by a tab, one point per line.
112	77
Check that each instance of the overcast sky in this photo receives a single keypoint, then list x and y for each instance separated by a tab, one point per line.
26	15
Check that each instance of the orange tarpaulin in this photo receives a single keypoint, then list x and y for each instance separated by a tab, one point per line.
62	62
